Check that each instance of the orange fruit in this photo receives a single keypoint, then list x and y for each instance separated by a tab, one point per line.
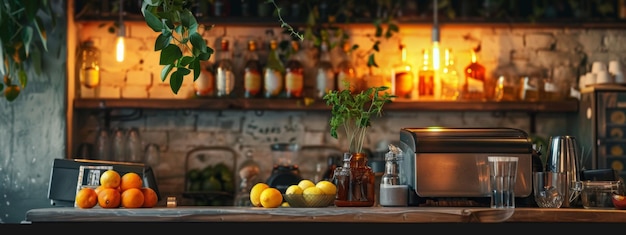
86	198
130	180
109	198
150	197
132	198
99	189
110	179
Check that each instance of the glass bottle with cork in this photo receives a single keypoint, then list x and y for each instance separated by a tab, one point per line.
354	181
402	80
204	85
273	73
294	73
252	79
474	86
224	75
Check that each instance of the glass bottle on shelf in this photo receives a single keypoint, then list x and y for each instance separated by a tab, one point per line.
354	181
449	77
273	73
103	145
134	147
224	75
474	86
204	85
249	171
252	79
402	80
325	72
118	146
89	69
294	73
346	71
426	77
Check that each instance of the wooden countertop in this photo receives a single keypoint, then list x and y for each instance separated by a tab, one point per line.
328	215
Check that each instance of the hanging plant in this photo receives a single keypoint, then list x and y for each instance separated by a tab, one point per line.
23	42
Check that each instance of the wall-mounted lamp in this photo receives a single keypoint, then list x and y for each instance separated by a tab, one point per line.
121	33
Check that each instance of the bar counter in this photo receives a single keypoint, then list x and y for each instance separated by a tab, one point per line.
383	215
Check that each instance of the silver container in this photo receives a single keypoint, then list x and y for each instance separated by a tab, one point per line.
563	156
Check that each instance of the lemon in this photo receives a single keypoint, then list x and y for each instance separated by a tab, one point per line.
313	191
293	189
304	184
327	187
271	198
255	193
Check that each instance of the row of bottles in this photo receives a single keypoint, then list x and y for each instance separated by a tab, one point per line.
273	80
434	78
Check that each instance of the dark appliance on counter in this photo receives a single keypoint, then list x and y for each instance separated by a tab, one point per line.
65	172
442	165
601	128
285	171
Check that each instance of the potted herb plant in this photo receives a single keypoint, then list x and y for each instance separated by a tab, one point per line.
353	112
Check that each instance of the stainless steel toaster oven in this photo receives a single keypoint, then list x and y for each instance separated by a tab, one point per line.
442	165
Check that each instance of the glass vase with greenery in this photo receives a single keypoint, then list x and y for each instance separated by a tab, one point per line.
354	112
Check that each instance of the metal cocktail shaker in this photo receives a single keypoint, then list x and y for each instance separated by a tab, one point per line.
563	156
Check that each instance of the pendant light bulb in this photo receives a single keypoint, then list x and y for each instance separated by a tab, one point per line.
121	33
119	45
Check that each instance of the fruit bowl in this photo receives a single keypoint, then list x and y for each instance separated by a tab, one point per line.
308	200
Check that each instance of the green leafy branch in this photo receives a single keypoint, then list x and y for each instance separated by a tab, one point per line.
354	112
182	46
23	40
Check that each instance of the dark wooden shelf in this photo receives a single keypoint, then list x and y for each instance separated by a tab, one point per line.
320	105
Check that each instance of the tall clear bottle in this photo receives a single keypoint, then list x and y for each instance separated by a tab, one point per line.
89	69
273	79
355	182
294	73
224	75
346	70
252	77
325	72
402	80
249	171
449	77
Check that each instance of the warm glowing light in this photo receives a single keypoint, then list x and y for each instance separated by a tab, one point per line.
119	49
436	56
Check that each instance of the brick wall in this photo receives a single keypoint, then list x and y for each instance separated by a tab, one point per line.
563	51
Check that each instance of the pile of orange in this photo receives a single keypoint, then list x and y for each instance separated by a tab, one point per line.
116	191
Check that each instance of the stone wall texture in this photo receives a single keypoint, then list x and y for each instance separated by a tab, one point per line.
33	126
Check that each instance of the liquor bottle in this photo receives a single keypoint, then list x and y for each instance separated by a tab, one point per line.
89	68
325	72
449	77
248	176
473	88
252	72
294	73
426	77
224	76
346	72
354	181
273	73
402	80
204	85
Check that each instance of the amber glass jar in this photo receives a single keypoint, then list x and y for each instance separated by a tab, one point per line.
355	182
